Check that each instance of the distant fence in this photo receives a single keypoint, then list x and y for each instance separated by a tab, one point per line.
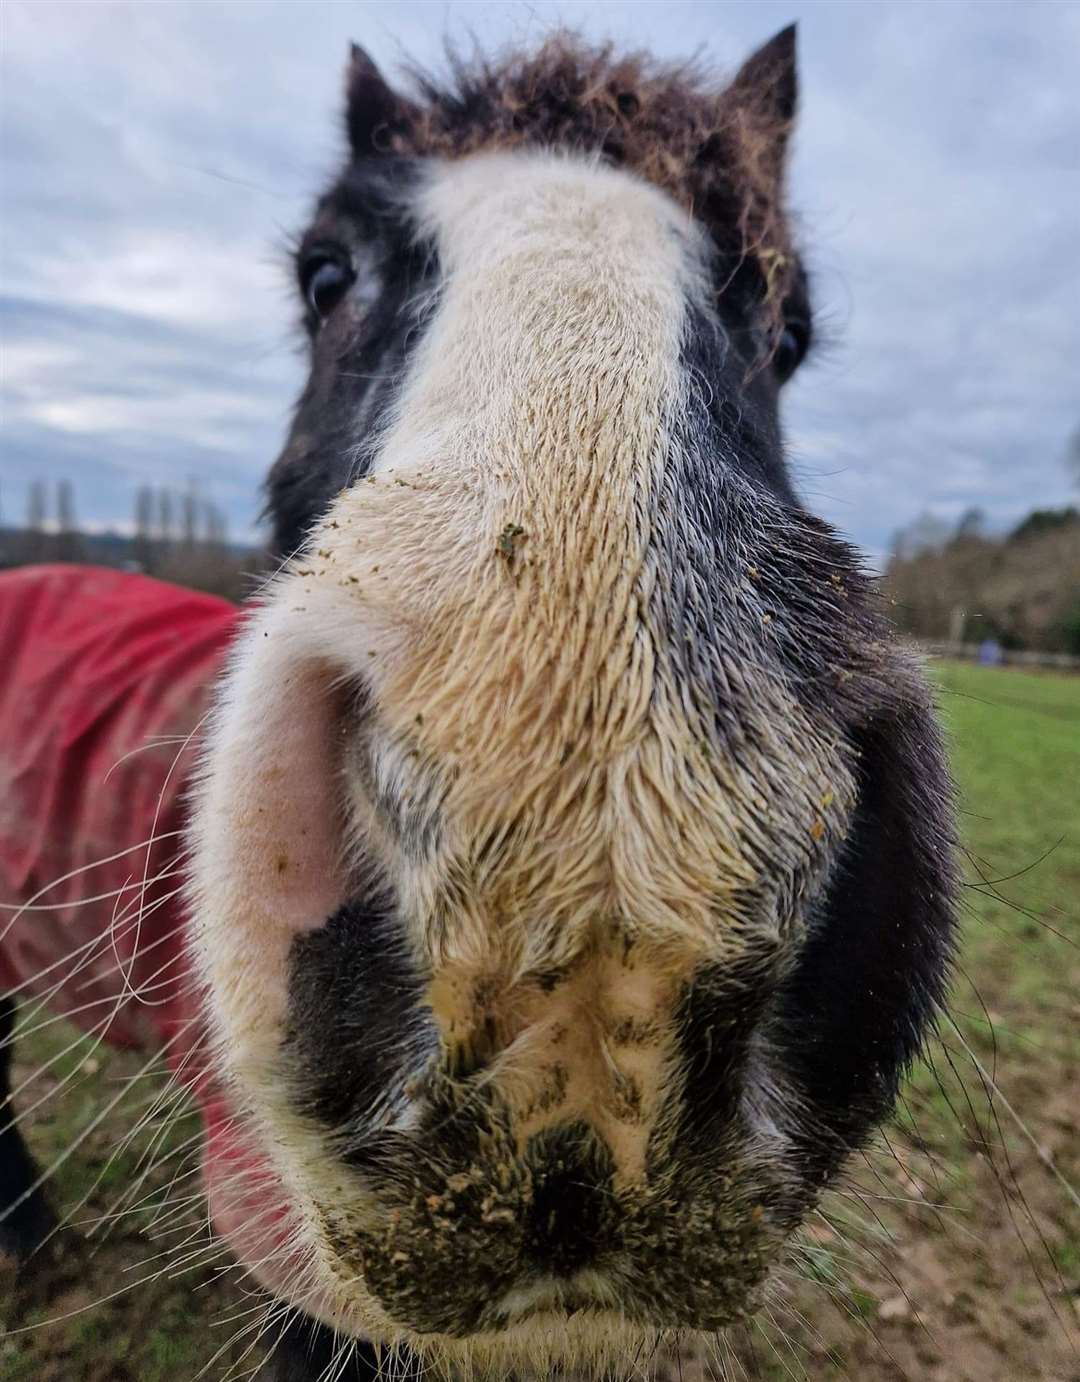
1009	657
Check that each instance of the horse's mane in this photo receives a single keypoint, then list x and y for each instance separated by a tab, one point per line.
718	150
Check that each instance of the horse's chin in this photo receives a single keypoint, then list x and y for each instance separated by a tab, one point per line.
596	1342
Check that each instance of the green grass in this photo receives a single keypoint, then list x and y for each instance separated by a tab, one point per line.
1015	748
1015	742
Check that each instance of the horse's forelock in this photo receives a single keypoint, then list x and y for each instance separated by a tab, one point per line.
719	151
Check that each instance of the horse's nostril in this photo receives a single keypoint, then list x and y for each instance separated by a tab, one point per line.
569	1219
563	1225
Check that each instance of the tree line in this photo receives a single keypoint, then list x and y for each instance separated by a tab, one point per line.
960	584
944	583
177	535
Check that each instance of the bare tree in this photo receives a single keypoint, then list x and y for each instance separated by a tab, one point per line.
189	516
143	550
36	506
971	523
65	507
1072	457
37	540
68	546
926	533
165	515
214	526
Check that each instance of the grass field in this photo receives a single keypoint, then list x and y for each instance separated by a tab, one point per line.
952	1255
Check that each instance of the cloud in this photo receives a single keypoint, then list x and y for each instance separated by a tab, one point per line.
158	157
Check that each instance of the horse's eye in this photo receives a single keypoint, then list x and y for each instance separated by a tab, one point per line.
324	281
790	349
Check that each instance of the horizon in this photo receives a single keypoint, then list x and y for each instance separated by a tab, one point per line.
147	318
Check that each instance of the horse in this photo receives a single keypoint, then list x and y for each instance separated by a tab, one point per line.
571	860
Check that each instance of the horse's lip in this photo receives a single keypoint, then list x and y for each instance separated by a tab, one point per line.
564	1297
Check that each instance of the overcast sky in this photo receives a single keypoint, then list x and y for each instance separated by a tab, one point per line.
156	158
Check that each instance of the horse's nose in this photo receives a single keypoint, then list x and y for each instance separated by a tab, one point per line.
569	1219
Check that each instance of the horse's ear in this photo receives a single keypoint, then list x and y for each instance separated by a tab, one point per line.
766	90
376	116
768	79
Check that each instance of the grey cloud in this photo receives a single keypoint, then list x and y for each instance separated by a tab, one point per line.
157	158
